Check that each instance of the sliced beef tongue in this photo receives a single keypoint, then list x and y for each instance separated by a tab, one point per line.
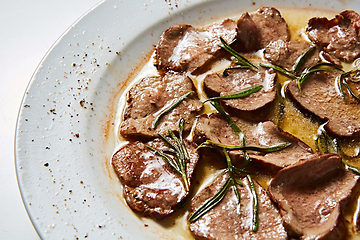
254	106
224	221
151	185
338	36
320	96
153	95
264	134
285	54
256	30
311	195
184	48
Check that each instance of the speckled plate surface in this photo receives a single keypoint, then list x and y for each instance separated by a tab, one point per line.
65	131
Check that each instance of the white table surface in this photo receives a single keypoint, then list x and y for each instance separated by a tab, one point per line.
28	29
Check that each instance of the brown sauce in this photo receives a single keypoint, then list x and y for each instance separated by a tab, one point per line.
294	121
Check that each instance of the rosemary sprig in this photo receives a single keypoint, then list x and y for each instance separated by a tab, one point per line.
326	141
279	69
169	109
306	73
351	92
181	156
233	179
275	148
241	60
212	202
242	94
255	200
301	78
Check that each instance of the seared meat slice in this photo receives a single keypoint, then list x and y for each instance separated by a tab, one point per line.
311	195
225	222
338	36
248	35
319	95
151	185
270	26
254	106
153	95
183	48
263	134
285	54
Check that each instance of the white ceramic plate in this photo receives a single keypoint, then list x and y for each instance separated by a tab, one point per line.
64	137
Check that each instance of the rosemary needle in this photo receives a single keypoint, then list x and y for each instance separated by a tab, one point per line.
181	156
255	200
158	118
242	94
241	60
212	202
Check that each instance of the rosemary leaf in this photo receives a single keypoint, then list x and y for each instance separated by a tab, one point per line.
301	60
158	118
170	144
241	59
181	129
339	80
232	177
232	124
166	159
242	94
279	69
255	216
303	76
351	168
180	151
212	202
274	148
350	91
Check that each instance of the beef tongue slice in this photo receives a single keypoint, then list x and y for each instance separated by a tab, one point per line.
185	48
258	29
225	222
264	134
320	96
311	195
338	36
153	95
151	185
253	107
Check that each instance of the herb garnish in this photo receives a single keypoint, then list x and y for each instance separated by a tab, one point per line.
228	147
300	78
169	109
242	94
211	203
301	60
178	149
255	200
231	180
281	105
342	79
240	60
331	145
